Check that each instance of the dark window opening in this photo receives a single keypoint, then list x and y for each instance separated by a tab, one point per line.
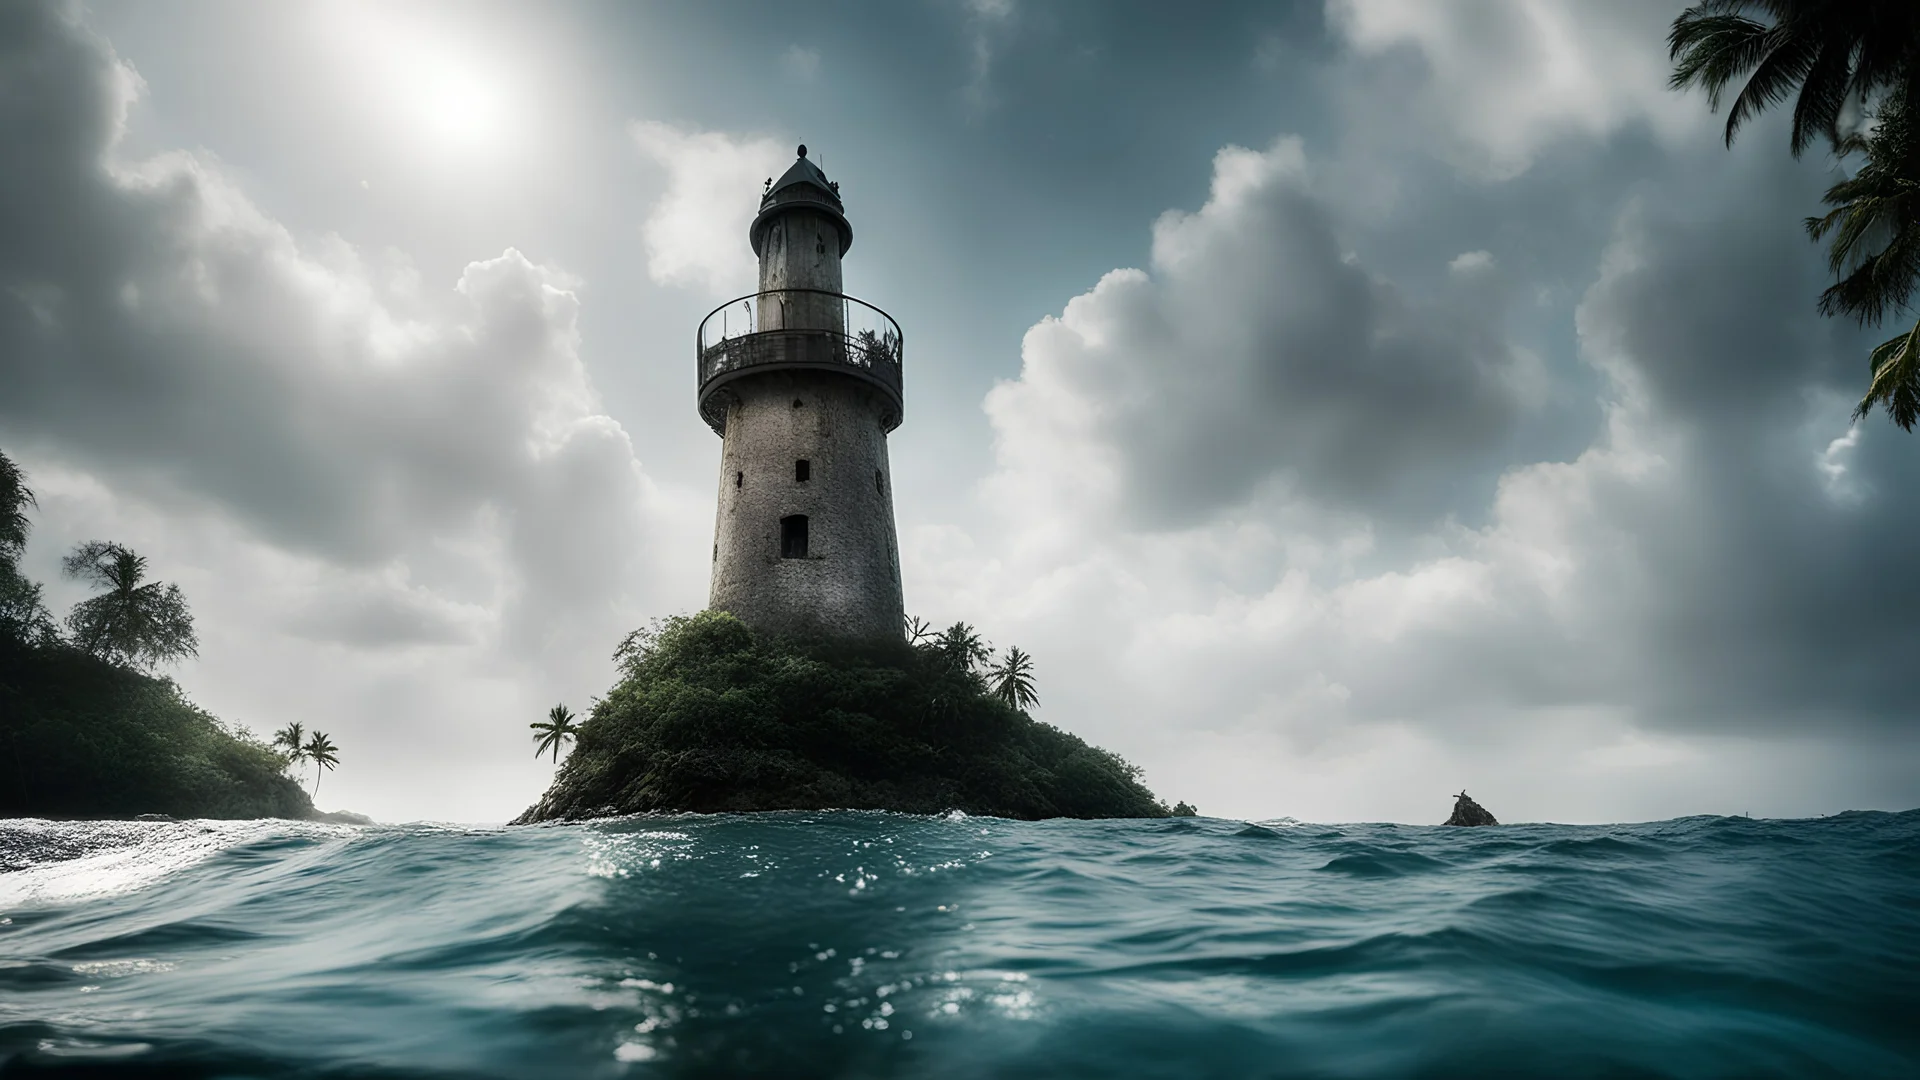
739	478
796	403
879	482
803	470
793	537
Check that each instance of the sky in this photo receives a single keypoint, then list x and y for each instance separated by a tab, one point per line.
1347	402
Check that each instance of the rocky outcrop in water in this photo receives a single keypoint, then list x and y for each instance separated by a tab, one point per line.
1468	812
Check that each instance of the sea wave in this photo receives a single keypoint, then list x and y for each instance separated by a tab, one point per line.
867	944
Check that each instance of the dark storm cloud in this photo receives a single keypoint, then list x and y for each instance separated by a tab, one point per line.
1781	591
1723	564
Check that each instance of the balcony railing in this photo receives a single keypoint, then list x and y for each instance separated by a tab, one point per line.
798	329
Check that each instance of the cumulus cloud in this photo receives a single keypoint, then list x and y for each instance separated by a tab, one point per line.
696	233
382	466
1693	576
1503	79
1255	353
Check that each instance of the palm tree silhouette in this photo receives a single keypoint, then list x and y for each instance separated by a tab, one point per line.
1864	53
291	740
1875	225
324	755
963	647
15	497
1832	53
131	624
556	729
1011	680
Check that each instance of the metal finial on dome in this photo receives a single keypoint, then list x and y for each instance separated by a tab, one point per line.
803	149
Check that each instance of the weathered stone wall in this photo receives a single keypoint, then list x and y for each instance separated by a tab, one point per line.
801	251
849	584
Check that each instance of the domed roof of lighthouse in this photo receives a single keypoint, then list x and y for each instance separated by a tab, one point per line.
803	185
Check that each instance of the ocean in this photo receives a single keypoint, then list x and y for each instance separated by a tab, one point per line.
878	945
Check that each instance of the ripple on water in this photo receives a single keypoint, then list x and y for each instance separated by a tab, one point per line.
887	945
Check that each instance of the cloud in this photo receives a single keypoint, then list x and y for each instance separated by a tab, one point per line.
802	62
1190	536
332	458
696	234
1501	80
988	22
1256	353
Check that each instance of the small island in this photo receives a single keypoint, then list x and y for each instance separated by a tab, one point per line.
710	716
88	729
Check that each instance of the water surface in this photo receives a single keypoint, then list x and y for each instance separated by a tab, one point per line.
871	945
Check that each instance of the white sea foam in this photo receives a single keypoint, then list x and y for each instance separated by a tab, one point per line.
90	859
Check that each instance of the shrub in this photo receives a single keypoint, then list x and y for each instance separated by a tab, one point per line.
709	717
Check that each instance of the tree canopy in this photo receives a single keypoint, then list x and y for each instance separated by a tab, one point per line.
129	623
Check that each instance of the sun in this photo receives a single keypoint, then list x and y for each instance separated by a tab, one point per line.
432	79
457	105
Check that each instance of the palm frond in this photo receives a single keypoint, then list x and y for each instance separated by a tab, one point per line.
1823	93
1895	364
324	755
554	731
15	497
1012	680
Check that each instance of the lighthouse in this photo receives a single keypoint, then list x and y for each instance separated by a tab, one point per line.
802	384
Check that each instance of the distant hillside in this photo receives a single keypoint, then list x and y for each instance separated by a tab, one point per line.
709	717
81	737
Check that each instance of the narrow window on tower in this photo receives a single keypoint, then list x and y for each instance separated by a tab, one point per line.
793	537
879	482
803	470
739	478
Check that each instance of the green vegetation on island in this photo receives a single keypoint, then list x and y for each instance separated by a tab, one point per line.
1853	71
710	717
87	728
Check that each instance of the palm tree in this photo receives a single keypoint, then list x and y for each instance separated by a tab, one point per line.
962	647
22	616
1864	53
324	755
131	624
556	729
1012	680
15	497
291	740
1833	51
1875	225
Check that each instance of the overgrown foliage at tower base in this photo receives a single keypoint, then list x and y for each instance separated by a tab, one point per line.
708	717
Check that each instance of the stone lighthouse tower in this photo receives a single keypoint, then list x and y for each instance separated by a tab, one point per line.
802	384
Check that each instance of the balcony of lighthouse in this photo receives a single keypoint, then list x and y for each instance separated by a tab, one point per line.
798	330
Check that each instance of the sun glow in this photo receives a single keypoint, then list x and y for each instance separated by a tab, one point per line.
440	86
457	105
